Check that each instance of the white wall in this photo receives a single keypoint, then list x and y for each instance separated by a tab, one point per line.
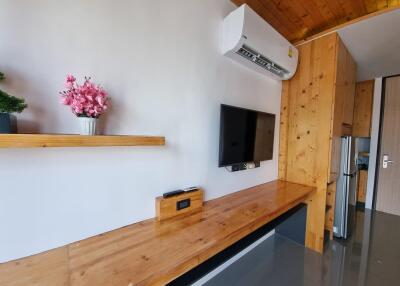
376	114
373	46
161	63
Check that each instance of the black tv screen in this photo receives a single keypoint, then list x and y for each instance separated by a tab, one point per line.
245	136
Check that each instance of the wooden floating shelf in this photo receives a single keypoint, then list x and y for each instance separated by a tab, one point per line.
64	140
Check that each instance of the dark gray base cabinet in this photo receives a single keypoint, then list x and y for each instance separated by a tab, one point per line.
8	123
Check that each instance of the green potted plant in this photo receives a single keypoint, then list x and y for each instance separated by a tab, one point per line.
9	104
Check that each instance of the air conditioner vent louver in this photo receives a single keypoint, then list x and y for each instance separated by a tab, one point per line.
250	41
262	61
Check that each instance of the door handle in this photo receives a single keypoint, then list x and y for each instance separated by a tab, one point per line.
386	161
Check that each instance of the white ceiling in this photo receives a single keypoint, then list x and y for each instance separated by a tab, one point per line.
374	43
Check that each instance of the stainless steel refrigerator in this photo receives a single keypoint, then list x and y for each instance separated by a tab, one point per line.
346	191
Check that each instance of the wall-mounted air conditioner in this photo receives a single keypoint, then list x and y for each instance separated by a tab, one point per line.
251	41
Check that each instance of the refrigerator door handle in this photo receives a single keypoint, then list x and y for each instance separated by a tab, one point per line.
349	175
346	206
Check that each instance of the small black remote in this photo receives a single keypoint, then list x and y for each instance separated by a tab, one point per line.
173	193
191	189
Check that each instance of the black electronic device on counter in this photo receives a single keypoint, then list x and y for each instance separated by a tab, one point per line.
180	192
173	193
191	189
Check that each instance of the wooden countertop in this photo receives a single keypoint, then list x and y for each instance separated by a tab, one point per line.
155	253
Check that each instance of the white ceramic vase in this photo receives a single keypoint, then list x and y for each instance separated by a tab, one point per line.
88	125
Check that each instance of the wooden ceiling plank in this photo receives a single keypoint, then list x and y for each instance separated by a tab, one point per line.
371	6
320	22
341	26
271	7
348	9
303	13
335	8
301	20
293	15
326	12
359	7
306	18
311	7
382	4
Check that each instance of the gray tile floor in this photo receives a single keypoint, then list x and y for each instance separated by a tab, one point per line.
371	256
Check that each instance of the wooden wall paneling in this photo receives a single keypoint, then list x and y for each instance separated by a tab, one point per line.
300	99
331	194
340	88
308	99
345	76
334	159
323	95
310	112
362	186
345	89
350	88
363	102
337	112
283	131
330	203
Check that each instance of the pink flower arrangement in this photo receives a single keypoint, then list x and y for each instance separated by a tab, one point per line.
86	100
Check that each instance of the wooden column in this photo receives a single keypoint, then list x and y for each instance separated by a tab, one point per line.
363	108
306	121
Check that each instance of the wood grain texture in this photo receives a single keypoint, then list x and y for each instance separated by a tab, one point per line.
47	269
152	252
345	86
63	140
309	118
349	88
334	159
388	191
344	92
363	102
330	214
303	19
348	23
362	185
167	207
337	111
331	195
283	131
315	107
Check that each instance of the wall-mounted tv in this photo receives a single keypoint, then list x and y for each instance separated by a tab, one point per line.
245	136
